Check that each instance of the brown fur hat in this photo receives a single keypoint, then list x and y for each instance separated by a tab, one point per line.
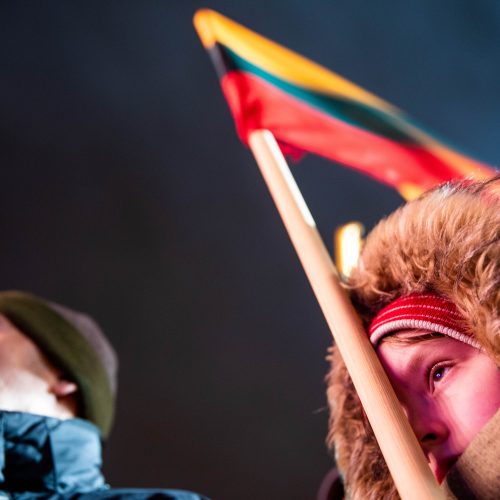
446	241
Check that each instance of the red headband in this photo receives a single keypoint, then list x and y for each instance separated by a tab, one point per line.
421	311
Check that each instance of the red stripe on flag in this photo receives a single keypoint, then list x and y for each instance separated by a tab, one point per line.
256	104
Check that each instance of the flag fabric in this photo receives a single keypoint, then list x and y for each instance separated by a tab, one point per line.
311	109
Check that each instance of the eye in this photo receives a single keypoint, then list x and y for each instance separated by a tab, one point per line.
437	373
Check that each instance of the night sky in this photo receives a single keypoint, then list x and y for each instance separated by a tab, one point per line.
126	194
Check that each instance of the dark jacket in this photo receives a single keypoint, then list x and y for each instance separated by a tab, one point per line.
47	458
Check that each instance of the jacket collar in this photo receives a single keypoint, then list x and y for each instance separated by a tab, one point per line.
47	454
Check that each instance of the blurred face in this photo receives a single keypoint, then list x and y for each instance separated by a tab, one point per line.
28	381
448	389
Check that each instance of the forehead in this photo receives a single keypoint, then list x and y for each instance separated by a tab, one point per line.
407	351
18	350
410	335
10	335
6	327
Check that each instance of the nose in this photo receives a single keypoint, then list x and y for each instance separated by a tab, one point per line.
427	423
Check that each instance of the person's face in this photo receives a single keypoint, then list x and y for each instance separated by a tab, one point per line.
448	389
28	381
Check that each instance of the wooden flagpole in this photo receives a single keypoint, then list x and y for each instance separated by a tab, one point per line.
405	459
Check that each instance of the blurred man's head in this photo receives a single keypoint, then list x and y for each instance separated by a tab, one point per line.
54	361
29	382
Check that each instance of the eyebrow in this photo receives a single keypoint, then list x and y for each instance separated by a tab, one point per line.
415	362
416	359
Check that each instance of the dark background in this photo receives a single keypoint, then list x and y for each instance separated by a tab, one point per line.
125	193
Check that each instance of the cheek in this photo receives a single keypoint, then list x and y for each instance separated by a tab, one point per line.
19	356
475	401
9	359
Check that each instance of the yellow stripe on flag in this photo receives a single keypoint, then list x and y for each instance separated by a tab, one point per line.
213	27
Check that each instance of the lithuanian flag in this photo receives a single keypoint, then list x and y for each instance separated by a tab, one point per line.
309	108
